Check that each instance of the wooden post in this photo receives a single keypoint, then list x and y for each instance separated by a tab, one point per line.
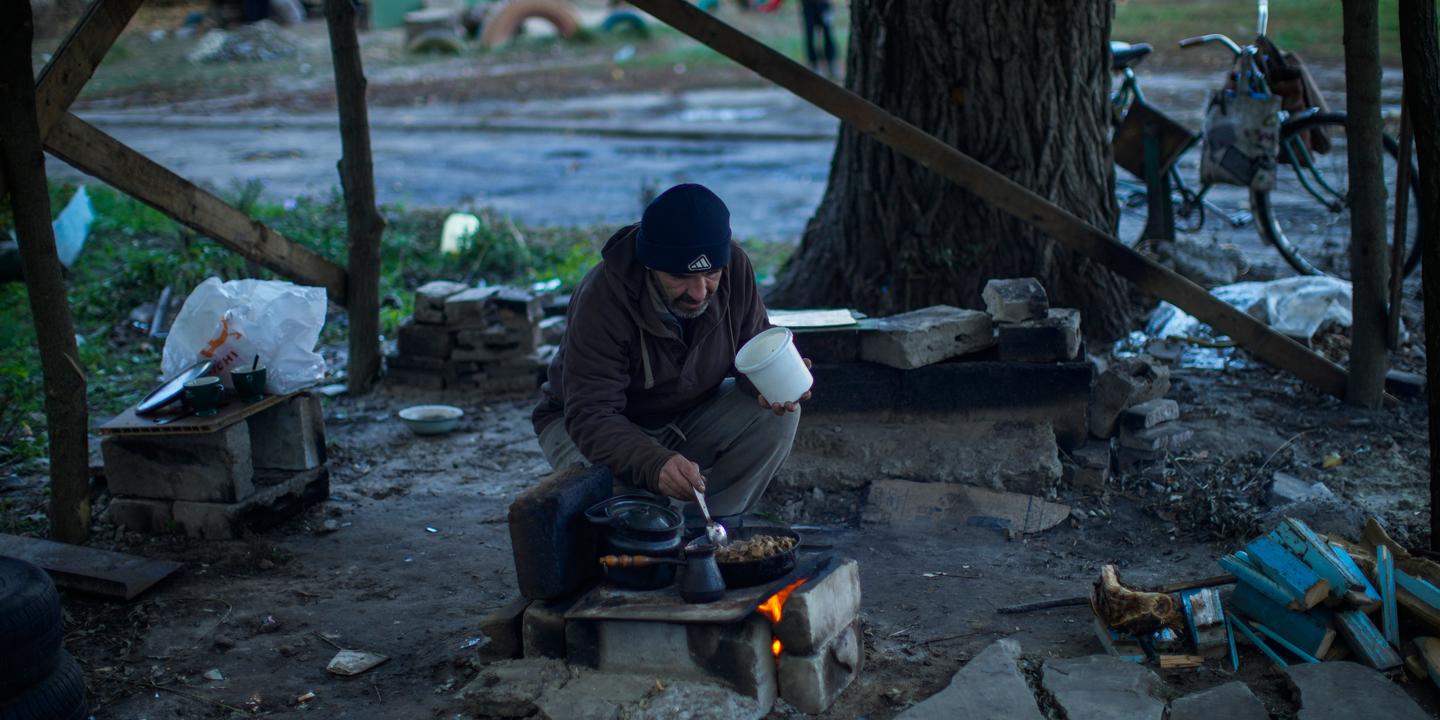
1420	54
1000	191
22	163
364	226
1363	132
1397	238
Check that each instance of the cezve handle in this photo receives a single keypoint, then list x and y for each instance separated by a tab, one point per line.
629	561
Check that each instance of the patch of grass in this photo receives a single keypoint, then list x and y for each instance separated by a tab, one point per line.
1311	28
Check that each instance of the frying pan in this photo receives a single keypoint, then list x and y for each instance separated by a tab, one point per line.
748	573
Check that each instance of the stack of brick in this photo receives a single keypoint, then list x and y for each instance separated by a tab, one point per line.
1128	404
249	475
1027	329
463	337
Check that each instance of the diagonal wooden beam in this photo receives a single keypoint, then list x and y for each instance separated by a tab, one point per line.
92	151
75	61
1000	191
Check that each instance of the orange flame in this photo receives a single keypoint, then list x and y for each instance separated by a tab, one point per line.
773	608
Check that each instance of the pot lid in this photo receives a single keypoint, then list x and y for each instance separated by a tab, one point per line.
644	516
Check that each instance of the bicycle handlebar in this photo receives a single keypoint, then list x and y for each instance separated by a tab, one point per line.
1214	37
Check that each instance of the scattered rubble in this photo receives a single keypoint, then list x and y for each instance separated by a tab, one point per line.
257	42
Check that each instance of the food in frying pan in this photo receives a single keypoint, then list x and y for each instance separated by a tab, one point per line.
755	548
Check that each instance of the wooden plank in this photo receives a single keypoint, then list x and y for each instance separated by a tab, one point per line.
76	567
1288	571
1367	642
1385	569
92	151
1419	598
1000	191
75	60
1343	556
1312	631
1282	642
1206	617
1429	649
232	410
1296	537
1181	662
1239	566
1238	625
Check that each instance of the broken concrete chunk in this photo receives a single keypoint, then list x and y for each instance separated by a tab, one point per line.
1167	436
1053	338
1286	488
543	631
697	701
1090	480
1150	413
1127	382
353	662
1330	689
1102	687
510	688
922	337
1231	701
596	696
990	686
1092	455
504	627
1015	300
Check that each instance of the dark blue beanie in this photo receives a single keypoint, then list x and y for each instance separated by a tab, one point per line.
684	230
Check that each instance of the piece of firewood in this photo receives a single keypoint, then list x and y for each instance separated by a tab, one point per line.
1180	662
1133	611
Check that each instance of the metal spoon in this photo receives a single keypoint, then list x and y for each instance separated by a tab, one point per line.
714	531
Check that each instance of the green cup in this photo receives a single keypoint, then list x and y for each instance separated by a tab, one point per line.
203	395
249	384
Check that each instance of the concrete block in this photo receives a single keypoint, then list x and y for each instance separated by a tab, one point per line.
504	626
1127	382
1104	687
289	436
736	654
1150	413
424	379
1015	300
1286	488
813	682
470	307
923	337
268	507
821	608
1055	338
989	686
552	330
1089	480
209	467
1338	689
543	628
424	340
415	362
552	542
480	354
1231	701
430	300
518	307
142	515
1167	436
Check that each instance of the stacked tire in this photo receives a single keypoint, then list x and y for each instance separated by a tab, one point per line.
38	679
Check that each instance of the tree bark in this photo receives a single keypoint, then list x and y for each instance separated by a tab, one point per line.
1020	87
1420	54
364	226
1368	271
22	162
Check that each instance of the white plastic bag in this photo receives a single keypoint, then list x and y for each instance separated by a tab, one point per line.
1241	140
232	322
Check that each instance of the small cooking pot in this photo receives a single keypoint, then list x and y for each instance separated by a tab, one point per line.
638	525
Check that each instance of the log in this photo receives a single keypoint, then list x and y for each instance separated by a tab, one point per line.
22	162
1397	243
1002	192
364	226
92	151
1130	611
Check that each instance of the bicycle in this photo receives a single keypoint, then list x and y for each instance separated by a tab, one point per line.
1305	216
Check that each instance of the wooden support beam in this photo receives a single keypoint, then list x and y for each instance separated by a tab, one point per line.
22	161
92	151
364	226
1000	191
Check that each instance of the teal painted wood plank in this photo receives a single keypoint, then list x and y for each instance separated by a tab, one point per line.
1419	587
1385	572
1288	571
1312	631
1205	617
1367	642
1303	543
1267	632
1349	562
1238	625
1250	576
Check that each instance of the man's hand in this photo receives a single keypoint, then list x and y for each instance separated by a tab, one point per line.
780	409
680	478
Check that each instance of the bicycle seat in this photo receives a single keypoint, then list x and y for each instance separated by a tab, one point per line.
1124	54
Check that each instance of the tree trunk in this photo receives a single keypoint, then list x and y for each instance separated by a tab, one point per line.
1368	273
364	226
1420	52
1021	87
22	162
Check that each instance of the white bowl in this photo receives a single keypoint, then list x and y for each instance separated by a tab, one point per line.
431	419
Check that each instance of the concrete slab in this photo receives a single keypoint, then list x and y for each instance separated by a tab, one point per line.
989	687
1102	687
595	696
926	336
510	689
1231	701
1345	689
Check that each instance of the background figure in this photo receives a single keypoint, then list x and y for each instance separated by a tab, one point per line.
816	15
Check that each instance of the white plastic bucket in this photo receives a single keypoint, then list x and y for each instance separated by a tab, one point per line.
771	361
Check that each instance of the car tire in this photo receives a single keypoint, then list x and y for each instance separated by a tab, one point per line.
58	696
30	626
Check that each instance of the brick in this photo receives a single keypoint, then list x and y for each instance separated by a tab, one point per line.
142	515
504	626
552	542
1015	300
1127	382
416	362
1149	414
1090	480
289	436
430	300
1055	338
518	307
552	330
821	608
923	337
213	467
268	507
480	354
812	683
470	307
543	628
423	379
425	340
1167	436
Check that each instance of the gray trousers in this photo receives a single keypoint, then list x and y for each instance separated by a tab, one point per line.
737	444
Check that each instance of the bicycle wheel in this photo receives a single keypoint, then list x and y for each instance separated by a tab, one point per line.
1307	216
